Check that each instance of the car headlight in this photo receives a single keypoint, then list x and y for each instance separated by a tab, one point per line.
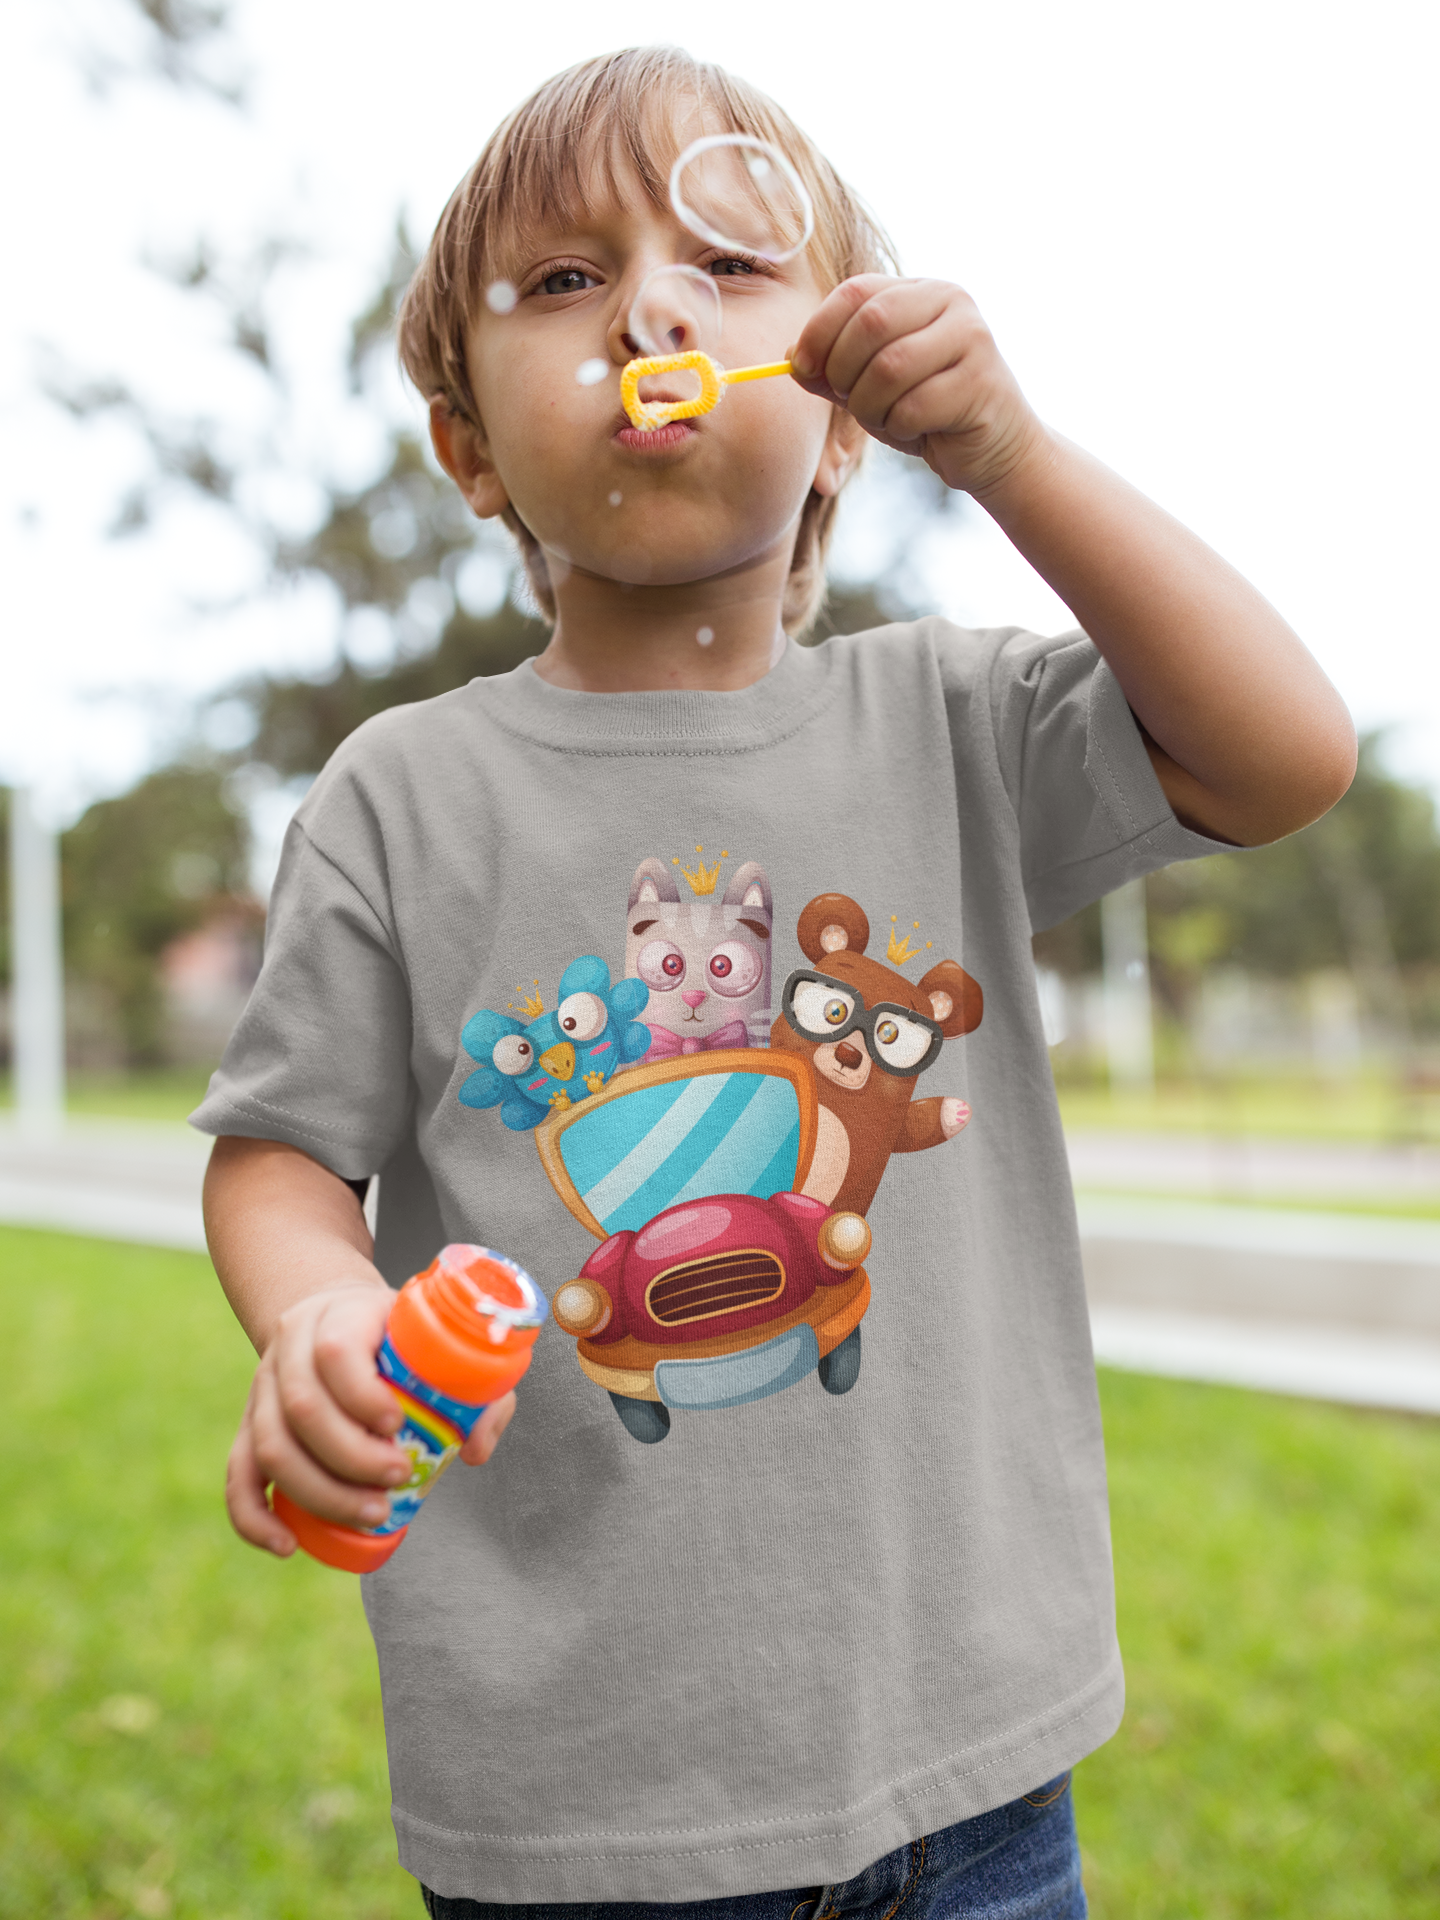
844	1241
583	1306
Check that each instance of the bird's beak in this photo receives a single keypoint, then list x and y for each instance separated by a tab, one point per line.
559	1061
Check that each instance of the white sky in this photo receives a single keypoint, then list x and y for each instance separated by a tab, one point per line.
1205	239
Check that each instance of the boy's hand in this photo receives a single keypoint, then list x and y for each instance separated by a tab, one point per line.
318	1419
915	364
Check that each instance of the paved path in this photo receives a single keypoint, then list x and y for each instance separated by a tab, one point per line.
118	1180
1334	1306
1215	1167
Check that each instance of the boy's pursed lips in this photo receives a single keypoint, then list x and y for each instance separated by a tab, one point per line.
654	439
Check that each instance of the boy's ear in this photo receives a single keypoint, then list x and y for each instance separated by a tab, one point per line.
463	452
837	456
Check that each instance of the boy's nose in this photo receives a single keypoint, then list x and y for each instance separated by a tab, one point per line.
691	997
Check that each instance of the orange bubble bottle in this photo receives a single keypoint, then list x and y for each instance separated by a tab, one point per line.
458	1337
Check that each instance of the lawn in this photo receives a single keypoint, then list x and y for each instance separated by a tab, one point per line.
1299	1108
1262	1106
188	1729
160	1093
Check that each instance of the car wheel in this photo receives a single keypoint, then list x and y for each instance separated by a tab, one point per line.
645	1420
840	1369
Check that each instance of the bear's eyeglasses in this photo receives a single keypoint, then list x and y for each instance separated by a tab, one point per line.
899	1040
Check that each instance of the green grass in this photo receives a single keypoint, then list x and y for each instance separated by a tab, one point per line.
1371	1110
1387	1207
1279	1589
188	1729
164	1093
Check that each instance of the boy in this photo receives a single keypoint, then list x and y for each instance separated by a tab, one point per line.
820	1650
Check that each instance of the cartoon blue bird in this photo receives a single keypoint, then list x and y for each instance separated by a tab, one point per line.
529	1071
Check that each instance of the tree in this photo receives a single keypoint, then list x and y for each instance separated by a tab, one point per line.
139	871
1358	889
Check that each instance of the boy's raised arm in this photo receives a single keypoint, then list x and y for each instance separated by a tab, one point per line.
293	1253
1248	738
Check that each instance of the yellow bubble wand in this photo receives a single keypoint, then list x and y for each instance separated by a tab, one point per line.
646	415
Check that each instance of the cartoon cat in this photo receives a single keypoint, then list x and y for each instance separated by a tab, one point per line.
869	1033
706	962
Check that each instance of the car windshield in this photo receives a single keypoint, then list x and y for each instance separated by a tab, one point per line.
636	1153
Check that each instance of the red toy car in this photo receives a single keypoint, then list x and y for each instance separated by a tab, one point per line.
720	1297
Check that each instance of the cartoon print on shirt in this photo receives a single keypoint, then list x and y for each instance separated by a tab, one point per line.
706	962
531	1069
869	1033
726	1172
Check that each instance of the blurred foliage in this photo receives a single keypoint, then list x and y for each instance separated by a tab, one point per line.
301	722
185	43
136	873
1359	889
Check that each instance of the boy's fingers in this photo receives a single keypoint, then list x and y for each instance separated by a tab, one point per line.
484	1436
323	1428
346	1339
245	1500
823	328
310	1408
282	1459
938	405
901	327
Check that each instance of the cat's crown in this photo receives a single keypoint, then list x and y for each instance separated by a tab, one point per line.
702	878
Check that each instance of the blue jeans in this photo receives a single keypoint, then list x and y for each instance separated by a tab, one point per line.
1018	1862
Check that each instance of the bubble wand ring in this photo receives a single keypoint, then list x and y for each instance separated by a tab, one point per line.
647	415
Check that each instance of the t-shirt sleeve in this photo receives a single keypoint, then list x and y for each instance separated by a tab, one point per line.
1091	811
321	1055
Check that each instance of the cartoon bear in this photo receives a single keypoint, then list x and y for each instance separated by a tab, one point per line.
886	1030
705	961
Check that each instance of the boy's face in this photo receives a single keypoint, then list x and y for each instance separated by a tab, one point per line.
693	502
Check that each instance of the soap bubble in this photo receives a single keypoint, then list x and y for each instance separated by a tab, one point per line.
736	191
616	498
705	635
501	297
677	310
590	372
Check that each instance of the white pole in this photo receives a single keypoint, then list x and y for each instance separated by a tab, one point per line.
37	1000
1129	1039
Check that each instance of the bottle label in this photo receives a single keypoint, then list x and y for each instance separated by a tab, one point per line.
432	1433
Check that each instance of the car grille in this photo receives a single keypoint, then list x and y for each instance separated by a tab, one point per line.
721	1283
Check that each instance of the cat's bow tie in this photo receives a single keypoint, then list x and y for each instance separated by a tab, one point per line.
664	1043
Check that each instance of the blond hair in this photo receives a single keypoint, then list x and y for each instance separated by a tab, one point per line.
619	110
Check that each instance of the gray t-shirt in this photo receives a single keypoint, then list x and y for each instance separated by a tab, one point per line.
826	1612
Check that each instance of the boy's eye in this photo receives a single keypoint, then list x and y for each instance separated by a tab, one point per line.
731	265
568	280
